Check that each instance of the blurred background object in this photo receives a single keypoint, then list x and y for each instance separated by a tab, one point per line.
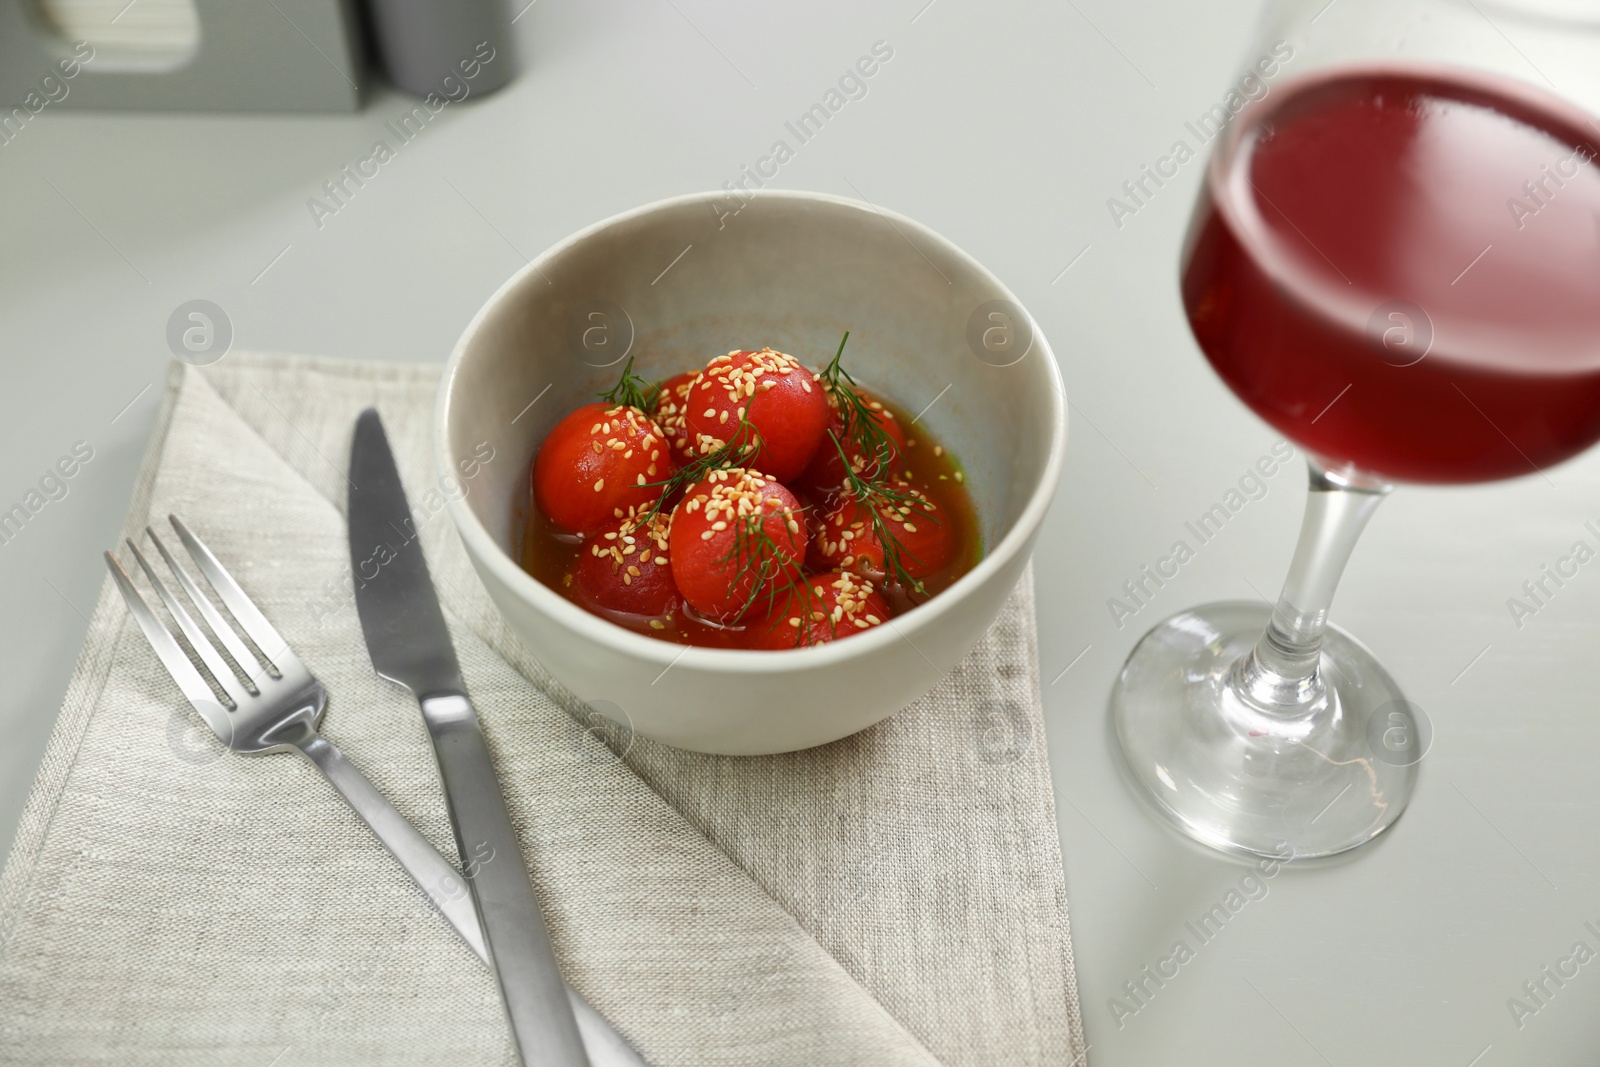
224	55
427	45
144	35
181	55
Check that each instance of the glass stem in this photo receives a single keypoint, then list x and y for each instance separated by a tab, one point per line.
1281	674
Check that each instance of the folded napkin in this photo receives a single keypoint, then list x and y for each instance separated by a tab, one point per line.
895	898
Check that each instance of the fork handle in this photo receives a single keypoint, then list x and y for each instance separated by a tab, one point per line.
435	876
432	872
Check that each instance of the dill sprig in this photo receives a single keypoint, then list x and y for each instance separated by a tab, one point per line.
776	584
757	554
632	390
871	485
745	442
879	496
862	430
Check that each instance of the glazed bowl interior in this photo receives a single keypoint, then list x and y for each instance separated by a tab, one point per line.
688	280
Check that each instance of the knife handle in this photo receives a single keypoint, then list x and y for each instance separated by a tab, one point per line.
434	875
542	1023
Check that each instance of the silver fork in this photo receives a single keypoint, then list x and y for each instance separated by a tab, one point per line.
273	704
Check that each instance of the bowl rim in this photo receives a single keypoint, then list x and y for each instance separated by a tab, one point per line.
487	551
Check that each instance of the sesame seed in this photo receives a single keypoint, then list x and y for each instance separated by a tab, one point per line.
657	624
661	561
938	450
960	477
641	480
599	485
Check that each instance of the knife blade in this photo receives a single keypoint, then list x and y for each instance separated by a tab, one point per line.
409	644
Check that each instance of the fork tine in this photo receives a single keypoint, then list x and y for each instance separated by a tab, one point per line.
172	657
197	637
267	639
225	633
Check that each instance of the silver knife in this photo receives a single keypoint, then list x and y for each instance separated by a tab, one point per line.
406	636
433	872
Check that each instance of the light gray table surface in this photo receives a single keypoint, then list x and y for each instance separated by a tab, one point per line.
1006	128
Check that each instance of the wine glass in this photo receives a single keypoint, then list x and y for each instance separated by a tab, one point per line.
1394	261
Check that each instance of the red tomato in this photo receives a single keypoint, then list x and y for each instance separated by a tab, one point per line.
628	567
782	401
595	467
846	536
672	411
827	607
734	533
826	471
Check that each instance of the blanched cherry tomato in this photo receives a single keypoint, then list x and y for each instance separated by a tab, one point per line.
763	399
733	536
628	567
596	465
826	607
846	536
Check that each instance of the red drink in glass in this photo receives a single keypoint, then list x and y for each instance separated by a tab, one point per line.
1399	268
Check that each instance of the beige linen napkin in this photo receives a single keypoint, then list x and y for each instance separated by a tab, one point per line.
893	898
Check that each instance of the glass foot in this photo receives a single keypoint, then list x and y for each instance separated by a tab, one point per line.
1319	777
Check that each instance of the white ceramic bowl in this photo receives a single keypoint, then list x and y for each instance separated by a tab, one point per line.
694	278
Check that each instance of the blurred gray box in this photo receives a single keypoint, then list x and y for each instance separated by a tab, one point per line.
251	55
